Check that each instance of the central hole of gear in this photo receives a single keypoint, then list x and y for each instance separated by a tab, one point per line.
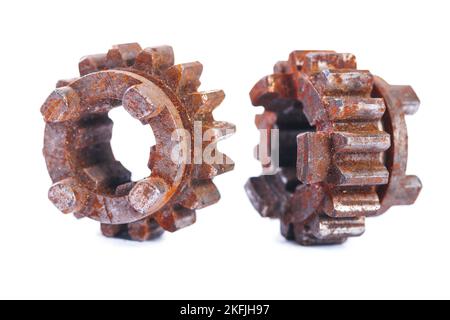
131	143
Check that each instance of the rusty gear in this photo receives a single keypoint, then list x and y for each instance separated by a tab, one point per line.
89	182
342	147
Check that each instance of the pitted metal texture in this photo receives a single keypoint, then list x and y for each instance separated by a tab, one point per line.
87	179
342	147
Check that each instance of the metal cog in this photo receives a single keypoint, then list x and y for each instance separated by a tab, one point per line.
343	147
89	182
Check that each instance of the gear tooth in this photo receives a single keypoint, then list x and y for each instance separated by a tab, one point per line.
319	61
201	194
407	98
129	52
113	230
354	108
114	59
218	130
343	82
412	187
352	203
148	194
155	59
287	230
303	234
378	141
185	77
144	230
408	190
360	173
208	171
313	157
276	86
122	55
228	163
204	103
268	196
173	219
61	105
92	63
312	109
67	196
306	201
261	196
297	59
326	228
135	101
281	67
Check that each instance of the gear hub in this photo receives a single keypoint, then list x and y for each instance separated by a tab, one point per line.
342	147
89	182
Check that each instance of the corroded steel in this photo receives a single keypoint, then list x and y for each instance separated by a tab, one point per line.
89	182
343	147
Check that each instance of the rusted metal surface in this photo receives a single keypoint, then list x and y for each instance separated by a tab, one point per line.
89	182
343	147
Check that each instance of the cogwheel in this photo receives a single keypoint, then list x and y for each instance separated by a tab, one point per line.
89	182
343	147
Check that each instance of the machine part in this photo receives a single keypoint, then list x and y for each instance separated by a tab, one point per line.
89	182
342	147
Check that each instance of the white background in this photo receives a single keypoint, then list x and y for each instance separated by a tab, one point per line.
230	252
